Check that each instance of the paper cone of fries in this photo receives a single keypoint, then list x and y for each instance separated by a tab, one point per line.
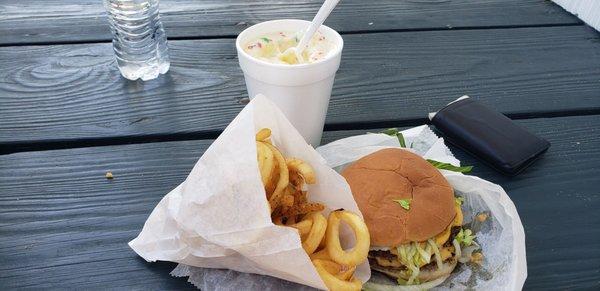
219	217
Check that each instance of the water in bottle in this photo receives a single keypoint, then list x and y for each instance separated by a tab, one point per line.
139	41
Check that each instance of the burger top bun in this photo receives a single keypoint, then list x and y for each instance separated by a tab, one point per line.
378	179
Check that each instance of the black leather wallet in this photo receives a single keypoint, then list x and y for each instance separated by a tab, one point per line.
489	135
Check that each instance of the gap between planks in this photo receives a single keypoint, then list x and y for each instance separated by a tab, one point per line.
10	148
349	32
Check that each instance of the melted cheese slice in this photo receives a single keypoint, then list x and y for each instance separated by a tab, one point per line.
443	237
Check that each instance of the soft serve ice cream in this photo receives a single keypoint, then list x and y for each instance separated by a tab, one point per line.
273	47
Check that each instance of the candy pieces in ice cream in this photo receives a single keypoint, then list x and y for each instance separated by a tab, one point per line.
271	48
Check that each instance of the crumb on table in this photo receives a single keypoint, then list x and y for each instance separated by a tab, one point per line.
109	175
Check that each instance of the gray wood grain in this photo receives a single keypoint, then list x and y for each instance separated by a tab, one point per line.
84	20
73	92
63	225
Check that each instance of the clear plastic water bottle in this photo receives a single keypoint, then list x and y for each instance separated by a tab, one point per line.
139	40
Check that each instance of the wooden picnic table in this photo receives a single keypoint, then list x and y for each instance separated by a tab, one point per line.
67	117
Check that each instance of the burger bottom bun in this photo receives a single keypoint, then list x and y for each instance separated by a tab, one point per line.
425	275
421	287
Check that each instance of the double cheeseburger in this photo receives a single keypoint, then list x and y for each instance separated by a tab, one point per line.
411	213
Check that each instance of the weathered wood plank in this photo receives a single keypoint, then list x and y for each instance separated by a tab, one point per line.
72	92
64	21
63	225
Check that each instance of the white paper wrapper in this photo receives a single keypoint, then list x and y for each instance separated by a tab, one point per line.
501	237
219	216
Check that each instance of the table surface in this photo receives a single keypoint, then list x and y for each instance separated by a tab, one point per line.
67	117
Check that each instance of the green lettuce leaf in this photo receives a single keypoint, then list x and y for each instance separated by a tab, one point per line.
450	167
465	237
405	203
397	134
459	200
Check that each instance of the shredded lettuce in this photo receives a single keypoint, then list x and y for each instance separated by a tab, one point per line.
436	251
457	249
465	237
459	200
404	203
426	256
411	255
415	273
402	253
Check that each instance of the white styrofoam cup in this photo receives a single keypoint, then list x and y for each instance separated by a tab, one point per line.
301	91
